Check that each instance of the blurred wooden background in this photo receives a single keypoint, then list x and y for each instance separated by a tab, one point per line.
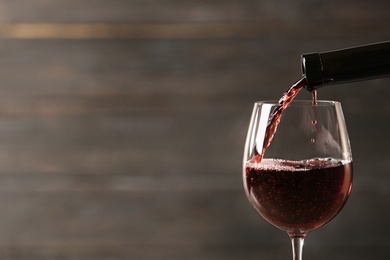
122	126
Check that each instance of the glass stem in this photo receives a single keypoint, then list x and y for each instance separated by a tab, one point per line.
297	246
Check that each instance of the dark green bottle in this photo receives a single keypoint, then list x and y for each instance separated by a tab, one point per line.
346	65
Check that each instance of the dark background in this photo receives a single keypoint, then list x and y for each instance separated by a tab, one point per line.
123	122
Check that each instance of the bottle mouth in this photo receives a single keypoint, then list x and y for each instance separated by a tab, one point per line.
312	70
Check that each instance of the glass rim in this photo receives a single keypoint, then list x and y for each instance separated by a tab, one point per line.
299	102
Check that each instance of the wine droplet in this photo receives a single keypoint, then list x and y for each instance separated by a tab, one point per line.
314	96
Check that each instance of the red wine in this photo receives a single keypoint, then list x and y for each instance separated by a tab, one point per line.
276	114
298	196
314	97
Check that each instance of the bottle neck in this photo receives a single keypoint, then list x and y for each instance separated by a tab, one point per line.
346	65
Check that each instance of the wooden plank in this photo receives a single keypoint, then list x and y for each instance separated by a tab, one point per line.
230	252
266	28
122	146
136	11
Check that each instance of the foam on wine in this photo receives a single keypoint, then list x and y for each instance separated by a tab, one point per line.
294	166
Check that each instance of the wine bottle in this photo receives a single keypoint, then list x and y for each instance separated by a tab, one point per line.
346	65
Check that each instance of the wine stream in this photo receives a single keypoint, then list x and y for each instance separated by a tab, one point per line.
276	114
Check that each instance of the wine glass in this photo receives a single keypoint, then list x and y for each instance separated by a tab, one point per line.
304	177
